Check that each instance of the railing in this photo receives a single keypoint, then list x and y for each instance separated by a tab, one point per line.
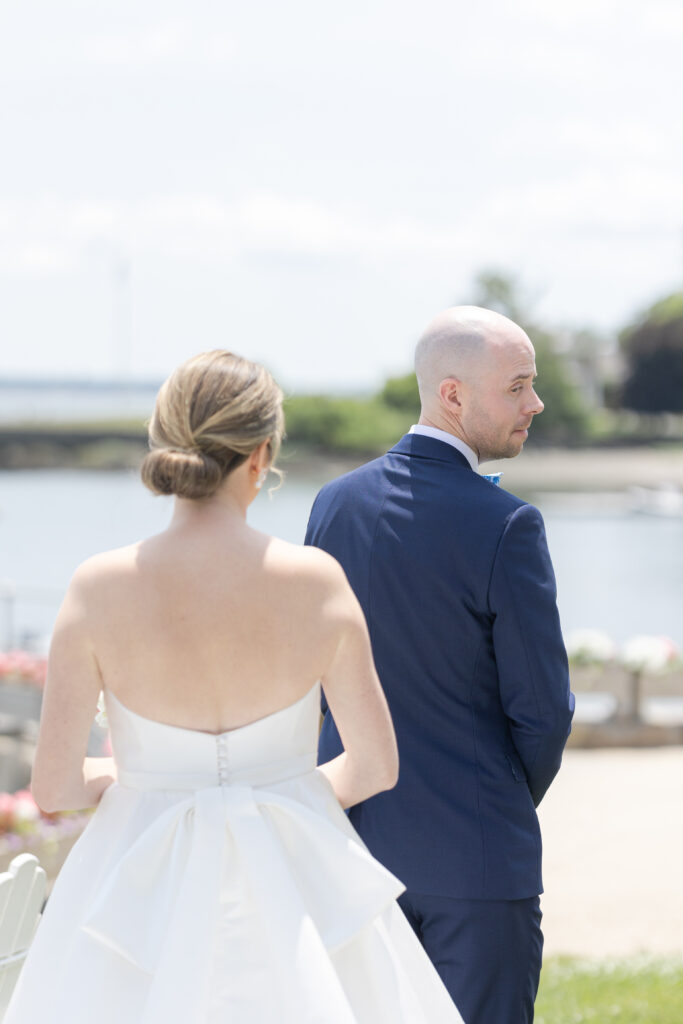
22	891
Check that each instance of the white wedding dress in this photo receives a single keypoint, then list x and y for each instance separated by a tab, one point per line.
220	881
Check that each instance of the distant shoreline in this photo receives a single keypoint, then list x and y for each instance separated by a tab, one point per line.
538	469
122	445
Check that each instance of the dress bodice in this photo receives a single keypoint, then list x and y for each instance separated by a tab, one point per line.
154	755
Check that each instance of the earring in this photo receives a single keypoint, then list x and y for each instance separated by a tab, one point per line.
258	483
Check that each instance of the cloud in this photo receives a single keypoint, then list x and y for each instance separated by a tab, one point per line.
158	43
656	16
169	41
629	199
664	17
46	236
277	223
172	41
570	12
200	227
53	235
623	140
207	228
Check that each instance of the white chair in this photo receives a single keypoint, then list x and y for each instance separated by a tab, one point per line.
22	892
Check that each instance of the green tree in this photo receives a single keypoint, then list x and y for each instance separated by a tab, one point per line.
653	349
353	425
494	289
565	418
402	393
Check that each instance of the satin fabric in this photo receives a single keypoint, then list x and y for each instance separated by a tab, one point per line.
219	880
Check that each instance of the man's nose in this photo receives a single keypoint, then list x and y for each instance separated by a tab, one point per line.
536	405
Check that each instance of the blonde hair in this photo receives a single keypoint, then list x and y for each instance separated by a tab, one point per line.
210	415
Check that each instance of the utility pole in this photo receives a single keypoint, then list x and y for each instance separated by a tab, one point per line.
123	318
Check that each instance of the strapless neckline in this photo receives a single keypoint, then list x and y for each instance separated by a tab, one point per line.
110	695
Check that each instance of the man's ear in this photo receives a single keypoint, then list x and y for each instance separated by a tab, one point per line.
450	392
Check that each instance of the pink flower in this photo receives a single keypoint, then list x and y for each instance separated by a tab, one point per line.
20	662
29	667
6	812
26	811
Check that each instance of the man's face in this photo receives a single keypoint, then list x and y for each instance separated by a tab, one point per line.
500	402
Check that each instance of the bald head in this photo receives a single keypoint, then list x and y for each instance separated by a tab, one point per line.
459	343
475	370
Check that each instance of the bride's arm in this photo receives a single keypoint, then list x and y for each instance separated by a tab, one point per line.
369	763
63	777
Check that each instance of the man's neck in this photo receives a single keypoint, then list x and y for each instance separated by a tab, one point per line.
431	430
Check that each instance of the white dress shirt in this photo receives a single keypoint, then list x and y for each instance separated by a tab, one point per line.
443	435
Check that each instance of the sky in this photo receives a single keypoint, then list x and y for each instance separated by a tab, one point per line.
307	184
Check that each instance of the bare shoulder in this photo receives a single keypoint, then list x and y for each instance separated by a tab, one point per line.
103	568
309	564
322	566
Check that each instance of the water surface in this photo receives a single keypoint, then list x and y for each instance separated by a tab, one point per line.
615	570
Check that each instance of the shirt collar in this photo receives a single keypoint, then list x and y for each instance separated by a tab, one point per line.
443	435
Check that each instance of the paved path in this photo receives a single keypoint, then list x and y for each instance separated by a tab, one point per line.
613	854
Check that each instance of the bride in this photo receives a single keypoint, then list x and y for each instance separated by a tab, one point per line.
219	879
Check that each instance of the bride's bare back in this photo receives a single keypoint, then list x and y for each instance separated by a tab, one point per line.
210	628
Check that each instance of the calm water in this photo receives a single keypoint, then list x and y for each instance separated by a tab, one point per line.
615	571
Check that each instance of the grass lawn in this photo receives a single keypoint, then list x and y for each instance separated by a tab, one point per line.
637	991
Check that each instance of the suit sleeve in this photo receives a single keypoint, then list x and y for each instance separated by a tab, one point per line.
530	653
312	540
310	531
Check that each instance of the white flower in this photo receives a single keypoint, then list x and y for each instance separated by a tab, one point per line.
101	716
589	647
25	810
648	653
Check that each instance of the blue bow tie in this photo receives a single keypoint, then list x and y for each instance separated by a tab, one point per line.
493	477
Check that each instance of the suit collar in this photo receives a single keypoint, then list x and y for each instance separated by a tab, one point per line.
443	435
430	448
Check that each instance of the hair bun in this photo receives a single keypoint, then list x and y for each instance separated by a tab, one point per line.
186	473
210	415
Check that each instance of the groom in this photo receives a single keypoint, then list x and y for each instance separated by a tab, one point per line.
455	579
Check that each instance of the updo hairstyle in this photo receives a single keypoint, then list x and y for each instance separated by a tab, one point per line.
210	415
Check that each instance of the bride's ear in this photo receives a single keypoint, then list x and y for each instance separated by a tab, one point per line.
264	455
259	461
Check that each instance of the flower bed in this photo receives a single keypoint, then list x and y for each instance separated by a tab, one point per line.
623	684
25	829
24	668
651	654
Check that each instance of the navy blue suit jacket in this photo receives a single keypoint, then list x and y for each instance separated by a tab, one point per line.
455	580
